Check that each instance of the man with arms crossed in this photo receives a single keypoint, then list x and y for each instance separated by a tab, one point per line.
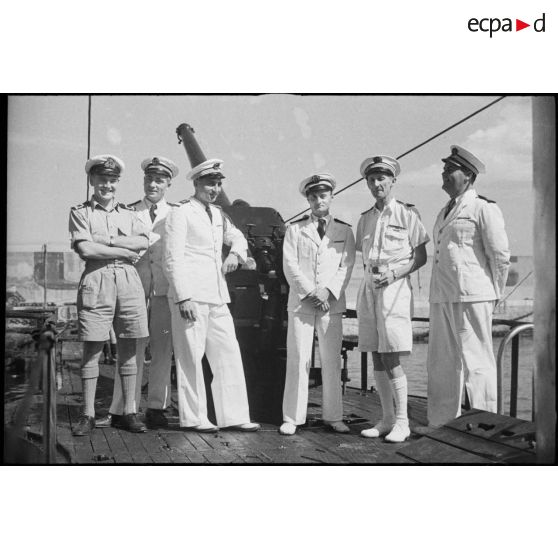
108	236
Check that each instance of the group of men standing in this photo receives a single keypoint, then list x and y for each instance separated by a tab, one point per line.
156	268
154	271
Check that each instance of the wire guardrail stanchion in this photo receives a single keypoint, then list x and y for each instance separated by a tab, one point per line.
511	335
47	356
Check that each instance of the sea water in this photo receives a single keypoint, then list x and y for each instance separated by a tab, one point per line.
414	366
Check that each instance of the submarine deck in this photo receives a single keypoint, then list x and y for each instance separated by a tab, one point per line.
477	437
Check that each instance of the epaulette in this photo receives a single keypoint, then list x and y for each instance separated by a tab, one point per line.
405	204
128	207
174	204
342	222
187	200
135	203
301	219
81	205
485	199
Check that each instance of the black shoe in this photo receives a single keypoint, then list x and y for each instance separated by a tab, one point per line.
109	420
155	418
131	423
85	426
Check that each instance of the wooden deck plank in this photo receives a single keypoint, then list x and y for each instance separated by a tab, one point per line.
479	446
155	446
199	441
429	451
135	447
101	448
118	448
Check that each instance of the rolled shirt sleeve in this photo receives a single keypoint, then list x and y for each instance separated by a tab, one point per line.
417	232
78	227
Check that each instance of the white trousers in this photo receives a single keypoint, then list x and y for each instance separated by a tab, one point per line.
460	354
211	334
160	339
299	352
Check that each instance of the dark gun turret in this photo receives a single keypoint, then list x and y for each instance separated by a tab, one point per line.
186	137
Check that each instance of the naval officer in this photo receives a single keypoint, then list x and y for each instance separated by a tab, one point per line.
393	241
152	211
198	295
108	235
468	277
318	259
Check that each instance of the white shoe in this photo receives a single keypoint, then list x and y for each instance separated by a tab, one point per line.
207	427
380	429
399	433
246	427
287	429
338	426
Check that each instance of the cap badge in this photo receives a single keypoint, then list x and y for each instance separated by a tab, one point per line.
377	159
454	151
155	161
217	166
314	179
110	163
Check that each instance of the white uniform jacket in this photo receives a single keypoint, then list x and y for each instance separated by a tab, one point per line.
150	265
310	262
192	252
472	256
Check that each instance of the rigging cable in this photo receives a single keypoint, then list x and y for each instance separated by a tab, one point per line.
515	288
88	145
414	148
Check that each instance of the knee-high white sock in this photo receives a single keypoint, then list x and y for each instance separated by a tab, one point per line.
399	386
129	393
383	385
89	386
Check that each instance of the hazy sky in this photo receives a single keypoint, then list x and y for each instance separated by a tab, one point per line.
269	144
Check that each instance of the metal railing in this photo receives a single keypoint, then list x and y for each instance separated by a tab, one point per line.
42	378
517	327
513	336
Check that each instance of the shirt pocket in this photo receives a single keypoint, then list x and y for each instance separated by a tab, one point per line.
395	240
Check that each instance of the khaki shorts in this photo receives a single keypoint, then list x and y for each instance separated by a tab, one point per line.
111	295
384	317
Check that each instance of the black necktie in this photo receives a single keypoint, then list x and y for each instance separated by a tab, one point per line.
450	206
152	212
208	211
321	227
